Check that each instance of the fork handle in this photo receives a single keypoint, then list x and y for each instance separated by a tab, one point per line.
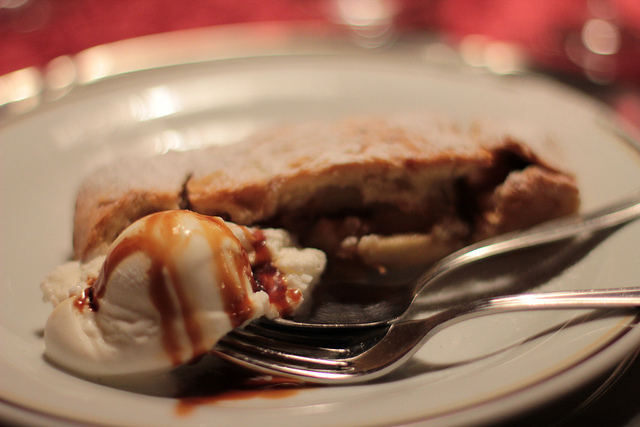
407	335
580	299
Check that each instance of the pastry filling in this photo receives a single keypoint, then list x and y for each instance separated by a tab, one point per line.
439	215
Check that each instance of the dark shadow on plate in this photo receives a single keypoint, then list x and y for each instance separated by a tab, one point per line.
518	272
418	367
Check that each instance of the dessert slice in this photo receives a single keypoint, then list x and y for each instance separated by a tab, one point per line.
387	191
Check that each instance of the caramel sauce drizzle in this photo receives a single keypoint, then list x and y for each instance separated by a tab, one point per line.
236	299
160	240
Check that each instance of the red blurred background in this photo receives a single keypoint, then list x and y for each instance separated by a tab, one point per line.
585	41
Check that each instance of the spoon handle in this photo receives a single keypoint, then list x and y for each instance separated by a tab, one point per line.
620	212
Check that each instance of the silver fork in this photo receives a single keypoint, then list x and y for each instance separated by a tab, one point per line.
369	353
360	351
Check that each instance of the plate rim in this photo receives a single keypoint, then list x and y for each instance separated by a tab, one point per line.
631	334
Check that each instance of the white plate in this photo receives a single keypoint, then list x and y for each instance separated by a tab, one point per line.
45	153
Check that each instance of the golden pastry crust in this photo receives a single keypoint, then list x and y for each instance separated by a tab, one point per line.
414	175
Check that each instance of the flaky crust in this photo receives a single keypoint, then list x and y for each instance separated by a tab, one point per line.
305	167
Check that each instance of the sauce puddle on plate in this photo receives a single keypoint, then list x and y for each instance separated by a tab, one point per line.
235	386
227	382
264	387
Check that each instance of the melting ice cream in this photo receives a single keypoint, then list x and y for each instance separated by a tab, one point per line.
169	288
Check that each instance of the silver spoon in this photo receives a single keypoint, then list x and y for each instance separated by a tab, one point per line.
623	211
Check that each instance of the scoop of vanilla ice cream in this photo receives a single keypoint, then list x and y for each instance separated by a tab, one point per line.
171	286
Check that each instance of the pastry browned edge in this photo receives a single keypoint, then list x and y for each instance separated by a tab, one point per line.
394	190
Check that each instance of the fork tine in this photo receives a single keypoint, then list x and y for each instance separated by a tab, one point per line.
288	355
280	363
258	338
277	350
288	367
315	337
